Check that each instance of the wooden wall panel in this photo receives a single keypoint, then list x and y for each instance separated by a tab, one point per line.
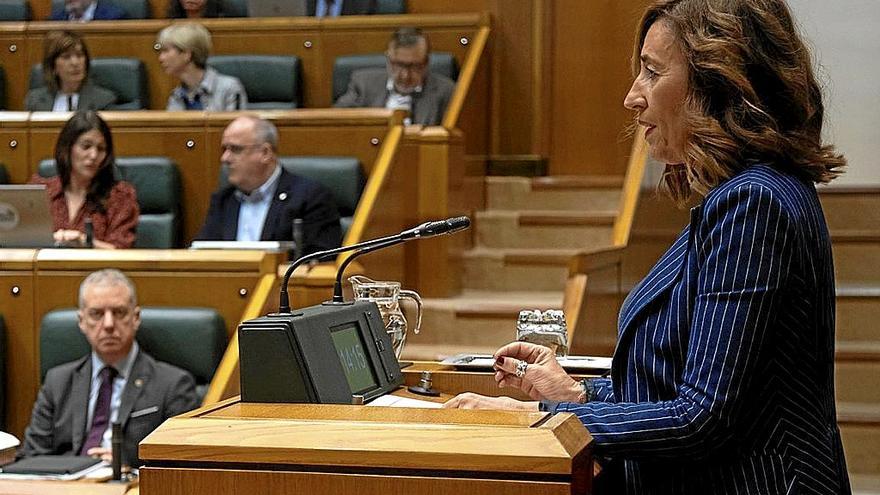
591	75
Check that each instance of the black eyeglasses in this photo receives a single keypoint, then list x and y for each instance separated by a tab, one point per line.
237	149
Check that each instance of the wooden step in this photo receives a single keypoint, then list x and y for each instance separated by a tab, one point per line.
855	257
865	484
543	229
851	207
553	193
858	313
860	430
857	369
515	269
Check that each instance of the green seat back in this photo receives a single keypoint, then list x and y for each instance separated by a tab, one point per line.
234	8
440	63
157	182
15	10
391	6
271	81
193	339
4	175
125	77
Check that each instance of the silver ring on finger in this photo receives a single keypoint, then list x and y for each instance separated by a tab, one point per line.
521	367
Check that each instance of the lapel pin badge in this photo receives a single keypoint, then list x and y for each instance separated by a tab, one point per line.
139	383
282	196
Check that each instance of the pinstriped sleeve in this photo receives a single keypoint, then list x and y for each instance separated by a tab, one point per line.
745	245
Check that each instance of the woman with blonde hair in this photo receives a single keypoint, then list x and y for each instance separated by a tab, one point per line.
183	53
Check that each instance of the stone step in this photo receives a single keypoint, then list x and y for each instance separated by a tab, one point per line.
855	257
860	430
553	193
515	269
857	368
851	207
542	229
474	321
858	313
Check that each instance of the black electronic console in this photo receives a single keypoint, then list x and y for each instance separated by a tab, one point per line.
321	354
328	353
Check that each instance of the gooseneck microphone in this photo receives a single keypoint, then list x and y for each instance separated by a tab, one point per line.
427	229
423	231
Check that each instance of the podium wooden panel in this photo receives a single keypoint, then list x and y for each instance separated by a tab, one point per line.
241	448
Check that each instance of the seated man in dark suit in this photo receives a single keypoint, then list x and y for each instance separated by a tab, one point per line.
87	10
336	8
262	199
116	382
406	82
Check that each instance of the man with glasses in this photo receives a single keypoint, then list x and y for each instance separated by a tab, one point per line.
262	200
116	382
406	82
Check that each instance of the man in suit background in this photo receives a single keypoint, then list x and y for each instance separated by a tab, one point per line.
336	8
406	83
262	199
87	10
116	382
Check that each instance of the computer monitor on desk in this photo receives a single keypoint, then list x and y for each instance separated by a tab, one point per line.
24	217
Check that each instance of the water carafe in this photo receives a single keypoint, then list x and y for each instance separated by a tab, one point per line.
387	296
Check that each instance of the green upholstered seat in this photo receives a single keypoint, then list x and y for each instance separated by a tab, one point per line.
234	8
134	9
15	10
271	81
125	77
342	175
157	182
391	6
440	63
193	339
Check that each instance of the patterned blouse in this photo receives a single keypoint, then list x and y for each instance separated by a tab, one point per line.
116	225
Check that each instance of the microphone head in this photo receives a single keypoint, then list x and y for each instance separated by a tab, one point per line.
441	227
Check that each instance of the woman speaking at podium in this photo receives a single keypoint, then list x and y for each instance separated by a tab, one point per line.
723	376
86	191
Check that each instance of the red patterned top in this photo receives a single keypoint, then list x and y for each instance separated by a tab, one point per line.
116	225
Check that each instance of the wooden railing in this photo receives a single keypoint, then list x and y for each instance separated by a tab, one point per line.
594	289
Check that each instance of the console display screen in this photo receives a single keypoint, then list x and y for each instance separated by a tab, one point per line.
350	348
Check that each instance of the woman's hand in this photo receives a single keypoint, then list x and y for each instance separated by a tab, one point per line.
543	377
69	238
469	400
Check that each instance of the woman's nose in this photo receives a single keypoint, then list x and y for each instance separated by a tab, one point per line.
634	99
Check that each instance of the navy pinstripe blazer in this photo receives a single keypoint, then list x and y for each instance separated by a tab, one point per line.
723	377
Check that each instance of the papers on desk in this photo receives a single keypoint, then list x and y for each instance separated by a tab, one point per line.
276	246
389	400
572	364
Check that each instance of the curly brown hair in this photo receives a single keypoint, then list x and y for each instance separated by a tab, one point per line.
752	94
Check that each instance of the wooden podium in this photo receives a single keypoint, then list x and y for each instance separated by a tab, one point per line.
244	448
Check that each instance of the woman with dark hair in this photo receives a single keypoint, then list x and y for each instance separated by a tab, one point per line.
66	64
86	188
194	9
723	376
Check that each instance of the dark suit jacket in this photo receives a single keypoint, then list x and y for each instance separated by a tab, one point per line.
104	11
295	197
723	376
367	88
155	391
349	7
91	97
